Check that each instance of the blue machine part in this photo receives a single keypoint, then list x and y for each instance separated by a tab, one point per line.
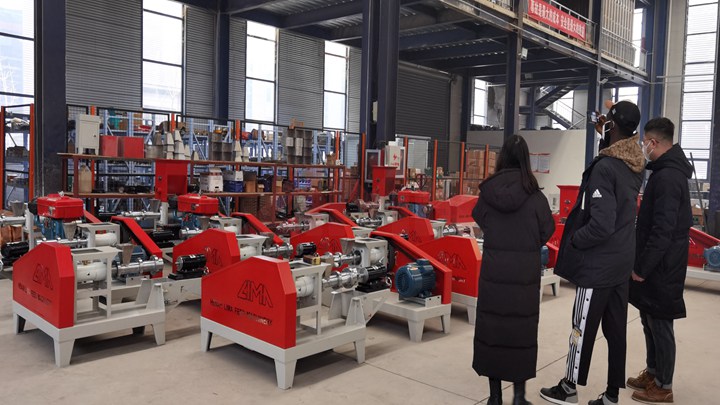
712	257
544	256
415	279
51	228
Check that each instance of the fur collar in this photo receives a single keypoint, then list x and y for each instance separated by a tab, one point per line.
629	151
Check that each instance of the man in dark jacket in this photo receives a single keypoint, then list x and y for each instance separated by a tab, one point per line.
663	227
596	254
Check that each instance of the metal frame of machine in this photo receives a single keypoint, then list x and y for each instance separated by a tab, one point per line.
259	303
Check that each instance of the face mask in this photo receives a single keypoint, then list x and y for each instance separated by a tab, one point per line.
646	153
605	140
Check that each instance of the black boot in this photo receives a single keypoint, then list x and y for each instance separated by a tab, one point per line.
495	392
519	397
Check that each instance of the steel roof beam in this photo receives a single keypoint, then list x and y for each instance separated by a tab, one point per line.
454	51
406	23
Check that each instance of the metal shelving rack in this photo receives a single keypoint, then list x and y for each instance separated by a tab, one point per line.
17	160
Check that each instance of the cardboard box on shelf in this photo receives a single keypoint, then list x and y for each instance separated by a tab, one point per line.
250	186
234	175
212	181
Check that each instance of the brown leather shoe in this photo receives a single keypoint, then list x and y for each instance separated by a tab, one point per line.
654	395
641	381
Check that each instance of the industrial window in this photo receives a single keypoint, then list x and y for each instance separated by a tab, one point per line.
260	72
480	102
17	55
637	36
695	129
564	108
163	23
626	94
335	96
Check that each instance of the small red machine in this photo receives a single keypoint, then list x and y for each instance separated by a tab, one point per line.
456	210
418	230
326	237
60	206
413	197
220	249
198	204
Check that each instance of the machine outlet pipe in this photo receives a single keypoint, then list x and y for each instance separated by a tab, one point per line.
152	266
339	259
141	215
369	222
189	233
278	251
71	243
6	221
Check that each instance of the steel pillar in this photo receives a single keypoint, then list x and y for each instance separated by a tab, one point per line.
512	86
368	84
387	66
532	117
658	47
50	94
714	169
594	87
222	66
468	90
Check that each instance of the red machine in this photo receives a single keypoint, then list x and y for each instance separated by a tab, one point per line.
59	206
418	230
456	210
219	247
325	237
198	204
413	197
171	178
251	223
462	256
406	252
699	241
257	297
383	180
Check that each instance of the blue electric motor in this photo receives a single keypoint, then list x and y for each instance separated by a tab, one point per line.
415	279
544	256
712	257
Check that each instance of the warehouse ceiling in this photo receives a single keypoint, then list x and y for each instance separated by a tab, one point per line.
432	34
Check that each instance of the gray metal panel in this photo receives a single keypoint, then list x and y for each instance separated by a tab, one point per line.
423	103
236	92
300	79
199	62
354	84
104	53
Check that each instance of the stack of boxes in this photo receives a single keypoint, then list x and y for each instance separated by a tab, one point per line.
475	168
212	180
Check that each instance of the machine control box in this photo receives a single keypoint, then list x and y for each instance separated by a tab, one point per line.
58	206
413	197
198	204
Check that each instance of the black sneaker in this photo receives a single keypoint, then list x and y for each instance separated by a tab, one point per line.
560	394
603	400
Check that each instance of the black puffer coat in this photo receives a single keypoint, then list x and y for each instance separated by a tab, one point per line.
662	237
515	226
598	245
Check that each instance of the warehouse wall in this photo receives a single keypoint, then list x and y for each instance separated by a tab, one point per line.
423	102
300	79
199	62
104	53
566	149
236	92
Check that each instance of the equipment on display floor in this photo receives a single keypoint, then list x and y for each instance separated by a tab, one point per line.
69	294
274	308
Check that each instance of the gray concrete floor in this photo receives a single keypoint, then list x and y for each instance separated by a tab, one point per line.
121	368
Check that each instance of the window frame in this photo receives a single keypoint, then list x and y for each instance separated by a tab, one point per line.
249	78
694	92
346	58
145	60
483	88
31	40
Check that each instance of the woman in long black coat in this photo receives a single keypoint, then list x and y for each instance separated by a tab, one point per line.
516	221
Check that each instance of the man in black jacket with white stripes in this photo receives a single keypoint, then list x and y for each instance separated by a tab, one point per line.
597	254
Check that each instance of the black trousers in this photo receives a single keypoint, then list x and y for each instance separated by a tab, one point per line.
594	307
660	344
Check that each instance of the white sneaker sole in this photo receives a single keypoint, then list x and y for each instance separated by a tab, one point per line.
556	401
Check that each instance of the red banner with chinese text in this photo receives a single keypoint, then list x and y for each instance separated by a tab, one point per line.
545	13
